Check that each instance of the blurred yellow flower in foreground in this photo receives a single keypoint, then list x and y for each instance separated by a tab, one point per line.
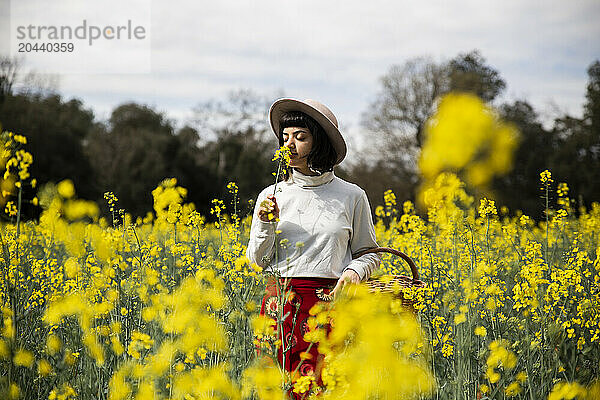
23	358
566	390
44	367
467	137
66	189
366	332
480	331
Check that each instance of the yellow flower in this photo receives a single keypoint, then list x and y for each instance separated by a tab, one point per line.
562	189
460	318
71	357
521	377
20	139
566	391
115	327
14	392
480	331
283	154
492	375
501	356
53	344
303	383
202	353
264	379
66	189
513	389
546	177
117	346
179	367
23	358
250	306
465	134
4	350
11	209
232	187
487	208
71	267
8	329
44	367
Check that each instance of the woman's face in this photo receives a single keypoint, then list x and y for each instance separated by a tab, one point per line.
299	141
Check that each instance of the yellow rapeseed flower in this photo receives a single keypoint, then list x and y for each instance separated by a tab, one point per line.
4	350
14	392
566	391
66	189
480	331
23	358
44	368
546	177
513	389
460	318
466	135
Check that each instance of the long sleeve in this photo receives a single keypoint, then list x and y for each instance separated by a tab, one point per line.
362	238
262	237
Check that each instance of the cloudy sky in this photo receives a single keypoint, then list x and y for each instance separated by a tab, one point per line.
335	51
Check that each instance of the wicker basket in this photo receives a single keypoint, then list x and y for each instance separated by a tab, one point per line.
398	283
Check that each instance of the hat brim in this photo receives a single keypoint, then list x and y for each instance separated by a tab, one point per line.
283	106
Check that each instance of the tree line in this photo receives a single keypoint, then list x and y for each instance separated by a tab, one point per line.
229	140
408	95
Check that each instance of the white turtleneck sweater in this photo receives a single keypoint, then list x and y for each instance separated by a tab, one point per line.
323	221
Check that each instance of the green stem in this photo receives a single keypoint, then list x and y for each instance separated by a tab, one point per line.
19	197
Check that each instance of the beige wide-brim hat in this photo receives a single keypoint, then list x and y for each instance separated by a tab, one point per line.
319	112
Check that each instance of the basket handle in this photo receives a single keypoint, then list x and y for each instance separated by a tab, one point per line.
411	263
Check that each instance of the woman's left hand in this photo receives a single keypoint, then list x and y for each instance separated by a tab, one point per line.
348	276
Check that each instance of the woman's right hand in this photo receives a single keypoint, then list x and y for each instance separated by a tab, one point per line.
268	210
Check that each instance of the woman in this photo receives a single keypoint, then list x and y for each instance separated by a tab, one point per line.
308	231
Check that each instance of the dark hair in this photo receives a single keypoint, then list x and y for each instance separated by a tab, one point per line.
322	156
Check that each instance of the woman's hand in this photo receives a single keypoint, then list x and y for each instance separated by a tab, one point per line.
268	210
348	276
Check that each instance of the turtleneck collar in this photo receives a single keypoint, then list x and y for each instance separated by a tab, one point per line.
308	181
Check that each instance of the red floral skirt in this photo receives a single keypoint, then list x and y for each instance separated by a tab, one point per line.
303	294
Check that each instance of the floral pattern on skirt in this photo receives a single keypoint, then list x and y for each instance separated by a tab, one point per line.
304	293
